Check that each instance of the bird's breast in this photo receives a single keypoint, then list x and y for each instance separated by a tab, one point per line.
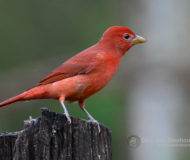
97	80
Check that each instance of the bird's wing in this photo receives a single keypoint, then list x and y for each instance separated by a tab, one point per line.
79	64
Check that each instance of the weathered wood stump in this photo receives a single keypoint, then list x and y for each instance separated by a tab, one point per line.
50	137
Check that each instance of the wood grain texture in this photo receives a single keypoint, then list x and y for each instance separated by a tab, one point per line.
50	137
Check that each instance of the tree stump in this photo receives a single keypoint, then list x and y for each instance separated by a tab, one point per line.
51	137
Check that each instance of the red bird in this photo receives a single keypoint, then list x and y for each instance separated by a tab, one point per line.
84	74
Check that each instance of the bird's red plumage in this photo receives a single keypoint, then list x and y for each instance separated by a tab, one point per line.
84	74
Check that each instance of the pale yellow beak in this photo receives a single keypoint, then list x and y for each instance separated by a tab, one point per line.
138	40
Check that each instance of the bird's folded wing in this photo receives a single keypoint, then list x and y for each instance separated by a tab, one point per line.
82	64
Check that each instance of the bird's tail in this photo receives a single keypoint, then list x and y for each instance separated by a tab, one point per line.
11	100
34	93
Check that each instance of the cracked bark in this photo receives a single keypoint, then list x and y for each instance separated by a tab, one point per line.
50	137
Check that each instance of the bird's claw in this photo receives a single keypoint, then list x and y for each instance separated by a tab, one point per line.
68	118
96	122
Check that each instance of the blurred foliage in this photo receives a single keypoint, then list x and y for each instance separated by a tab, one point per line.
39	29
34	32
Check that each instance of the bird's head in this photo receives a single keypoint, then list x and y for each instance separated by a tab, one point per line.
121	38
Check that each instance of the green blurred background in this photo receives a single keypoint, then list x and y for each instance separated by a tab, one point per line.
36	37
150	94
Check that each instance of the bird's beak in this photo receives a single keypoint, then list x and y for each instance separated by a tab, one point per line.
138	40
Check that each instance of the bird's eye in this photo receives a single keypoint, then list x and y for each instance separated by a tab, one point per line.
126	36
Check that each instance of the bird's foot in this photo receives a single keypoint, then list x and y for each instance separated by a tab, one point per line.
68	118
96	122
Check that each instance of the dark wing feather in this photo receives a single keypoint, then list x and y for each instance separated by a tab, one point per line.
79	64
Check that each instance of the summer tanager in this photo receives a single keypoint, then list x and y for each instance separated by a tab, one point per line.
84	74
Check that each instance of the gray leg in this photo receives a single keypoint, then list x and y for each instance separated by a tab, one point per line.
66	112
91	118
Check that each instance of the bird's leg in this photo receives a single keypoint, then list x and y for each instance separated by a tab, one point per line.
65	110
91	119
